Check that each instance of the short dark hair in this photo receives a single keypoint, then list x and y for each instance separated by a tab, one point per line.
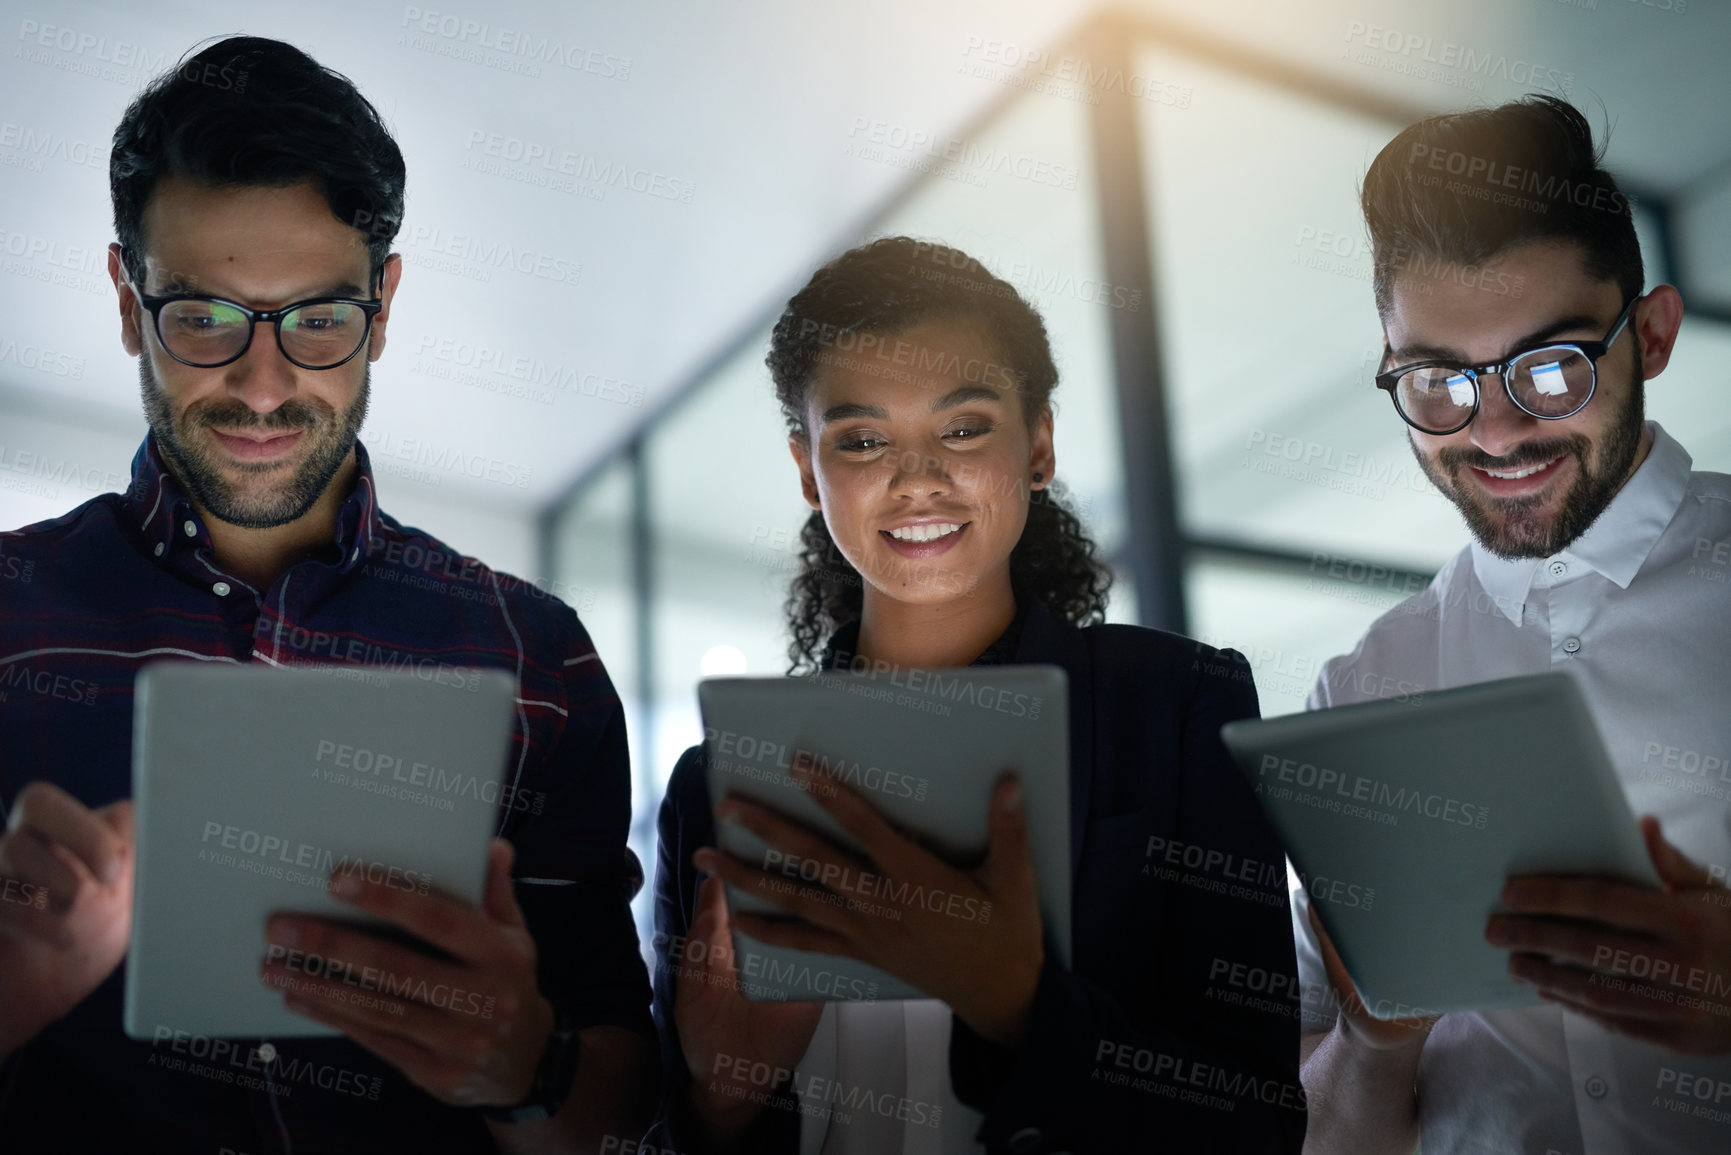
885	287
1462	188
247	111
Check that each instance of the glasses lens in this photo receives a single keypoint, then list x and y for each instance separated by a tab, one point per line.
324	334
203	332
1437	399
1551	382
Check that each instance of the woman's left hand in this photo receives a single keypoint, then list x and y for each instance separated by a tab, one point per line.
969	937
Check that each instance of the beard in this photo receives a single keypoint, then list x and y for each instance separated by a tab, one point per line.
331	435
1516	527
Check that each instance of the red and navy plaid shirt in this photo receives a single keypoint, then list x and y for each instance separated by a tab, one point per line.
124	579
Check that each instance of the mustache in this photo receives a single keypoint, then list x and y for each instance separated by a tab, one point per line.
1532	453
233	415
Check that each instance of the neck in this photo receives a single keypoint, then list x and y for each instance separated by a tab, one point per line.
950	633
259	556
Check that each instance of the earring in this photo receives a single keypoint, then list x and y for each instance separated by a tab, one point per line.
1039	477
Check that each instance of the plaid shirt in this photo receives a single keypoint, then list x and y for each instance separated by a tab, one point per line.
124	579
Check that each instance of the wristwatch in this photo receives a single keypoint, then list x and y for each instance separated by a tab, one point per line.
553	1077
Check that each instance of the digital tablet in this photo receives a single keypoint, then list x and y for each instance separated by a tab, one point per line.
926	748
1404	819
252	784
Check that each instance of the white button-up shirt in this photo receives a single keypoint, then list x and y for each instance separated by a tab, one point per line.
1638	610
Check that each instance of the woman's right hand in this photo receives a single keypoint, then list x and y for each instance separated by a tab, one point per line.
720	1031
1377	1034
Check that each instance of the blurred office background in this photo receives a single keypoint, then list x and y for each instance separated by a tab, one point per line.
609	204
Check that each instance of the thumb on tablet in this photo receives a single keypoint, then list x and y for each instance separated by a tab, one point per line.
1007	858
497	899
1675	868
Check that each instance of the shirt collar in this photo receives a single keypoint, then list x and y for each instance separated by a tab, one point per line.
169	522
1616	545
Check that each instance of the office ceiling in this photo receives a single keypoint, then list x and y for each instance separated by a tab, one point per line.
602	198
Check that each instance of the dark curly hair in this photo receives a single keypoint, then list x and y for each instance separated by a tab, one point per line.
247	111
882	288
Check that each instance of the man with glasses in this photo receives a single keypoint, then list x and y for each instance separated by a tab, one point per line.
1596	550
255	284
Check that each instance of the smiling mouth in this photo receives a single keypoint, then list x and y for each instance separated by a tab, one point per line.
1517	474
932	531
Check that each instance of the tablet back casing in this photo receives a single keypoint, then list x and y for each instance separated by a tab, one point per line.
252	783
925	748
1405	817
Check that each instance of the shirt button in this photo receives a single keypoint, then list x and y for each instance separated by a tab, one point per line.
159	548
1559	568
1597	1087
1570	645
191	527
1026	1140
220	589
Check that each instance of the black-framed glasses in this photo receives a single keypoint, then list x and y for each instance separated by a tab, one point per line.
1550	382
210	332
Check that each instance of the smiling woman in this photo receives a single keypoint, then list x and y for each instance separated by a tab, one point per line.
916	388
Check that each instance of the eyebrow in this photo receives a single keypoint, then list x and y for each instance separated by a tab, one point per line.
1410	353
957	396
341	289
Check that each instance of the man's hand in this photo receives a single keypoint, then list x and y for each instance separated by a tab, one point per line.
66	879
469	1031
1377	1034
1651	964
972	939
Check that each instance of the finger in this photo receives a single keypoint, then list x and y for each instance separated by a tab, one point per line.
794	935
441	919
797	842
1601	994
1600	900
499	898
883	844
25	856
56	816
1674	867
411	1030
1589	946
812	903
317	948
1672	1034
1008	864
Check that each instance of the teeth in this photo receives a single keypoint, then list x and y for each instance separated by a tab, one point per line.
1518	473
925	532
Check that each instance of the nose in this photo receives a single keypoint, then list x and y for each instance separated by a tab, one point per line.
919	474
262	378
1501	425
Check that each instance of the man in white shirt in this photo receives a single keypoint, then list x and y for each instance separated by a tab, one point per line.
1508	278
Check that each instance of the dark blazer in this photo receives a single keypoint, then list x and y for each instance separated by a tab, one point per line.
1164	1035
